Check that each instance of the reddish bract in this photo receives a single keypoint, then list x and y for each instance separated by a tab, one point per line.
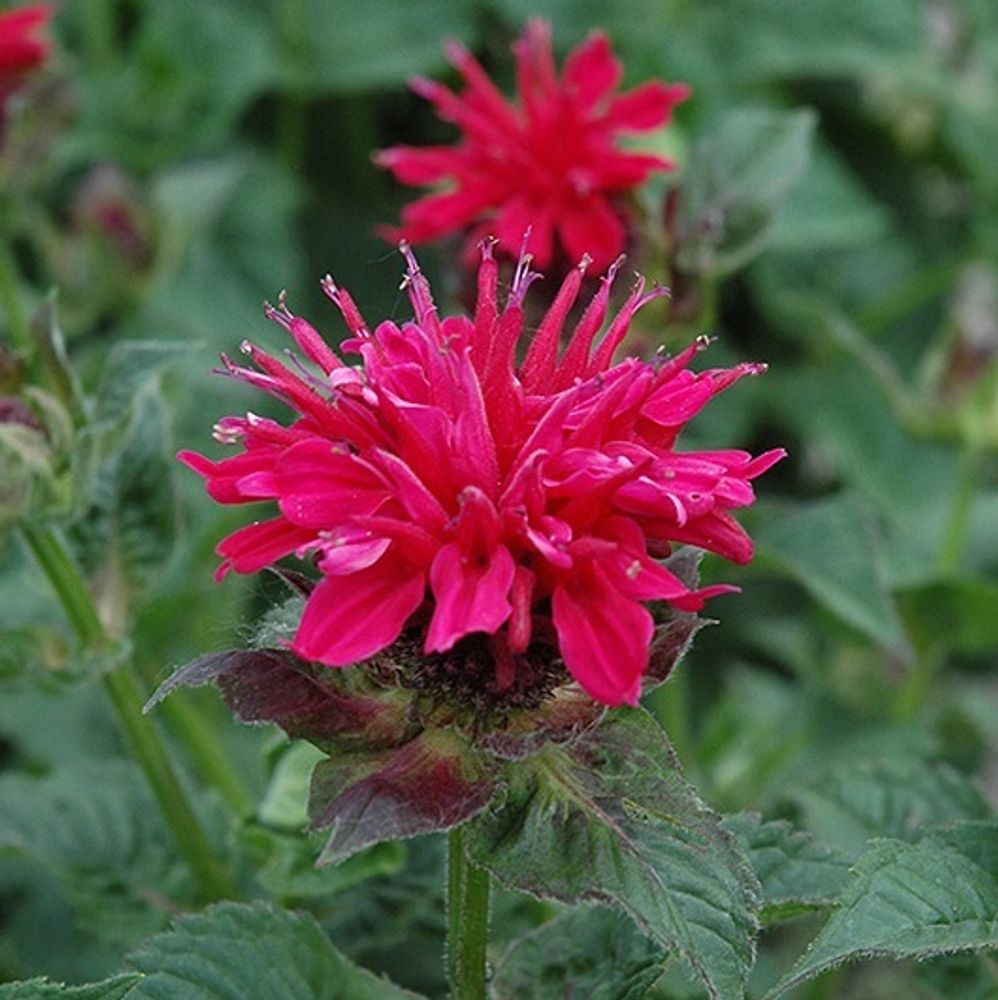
441	484
549	163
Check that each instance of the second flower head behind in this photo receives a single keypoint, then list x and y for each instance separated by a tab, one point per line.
550	160
23	46
446	489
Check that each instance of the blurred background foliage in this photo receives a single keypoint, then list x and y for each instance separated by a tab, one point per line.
835	214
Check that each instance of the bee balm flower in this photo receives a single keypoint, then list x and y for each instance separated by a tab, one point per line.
440	486
549	163
21	49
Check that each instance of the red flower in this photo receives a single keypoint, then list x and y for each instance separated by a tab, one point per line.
439	483
22	51
549	164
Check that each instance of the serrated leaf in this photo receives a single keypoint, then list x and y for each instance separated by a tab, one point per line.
42	989
609	818
734	184
96	816
912	901
253	952
795	872
286	863
588	952
832	549
430	784
128	531
96	828
897	798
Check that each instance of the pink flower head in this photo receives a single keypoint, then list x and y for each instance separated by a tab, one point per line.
438	485
22	48
548	163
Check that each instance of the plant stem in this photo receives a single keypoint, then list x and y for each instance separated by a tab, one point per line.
955	536
123	690
292	124
199	738
670	704
467	922
17	323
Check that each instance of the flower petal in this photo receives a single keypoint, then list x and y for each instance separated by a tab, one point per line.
472	595
260	544
591	70
592	227
349	618
321	485
604	636
646	107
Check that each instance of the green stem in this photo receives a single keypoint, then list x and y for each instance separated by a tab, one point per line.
292	120
670	704
467	922
955	535
199	738
123	690
17	323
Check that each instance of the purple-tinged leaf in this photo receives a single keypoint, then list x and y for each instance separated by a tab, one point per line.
307	702
207	669
563	717
429	784
669	645
297	583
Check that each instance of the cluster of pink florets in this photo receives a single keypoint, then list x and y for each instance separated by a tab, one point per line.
23	47
442	485
549	163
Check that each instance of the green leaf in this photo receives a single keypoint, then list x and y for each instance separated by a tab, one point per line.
796	873
127	370
190	200
828	208
192	69
227	242
768	39
588	952
897	797
396	923
963	613
253	952
43	989
609	818
96	828
285	803
831	548
128	532
286	863
912	901
379	45
734	184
